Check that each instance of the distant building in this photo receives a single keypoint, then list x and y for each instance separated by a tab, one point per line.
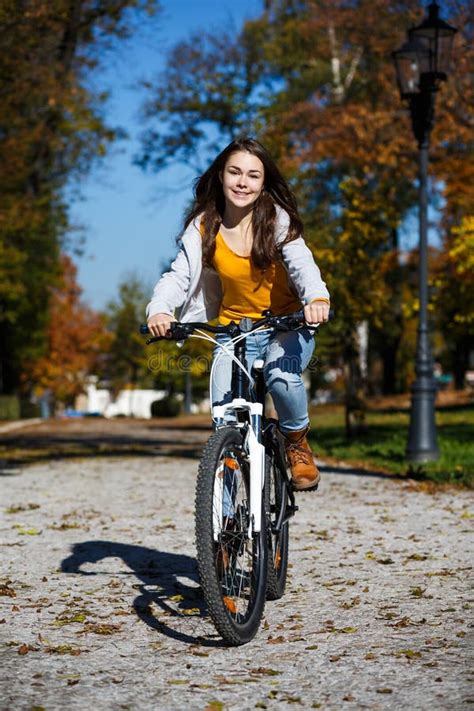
128	403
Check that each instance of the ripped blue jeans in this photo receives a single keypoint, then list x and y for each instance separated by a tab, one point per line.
286	354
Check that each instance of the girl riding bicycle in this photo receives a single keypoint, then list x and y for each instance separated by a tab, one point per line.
242	252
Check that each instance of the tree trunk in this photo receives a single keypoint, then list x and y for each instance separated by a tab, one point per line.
356	388
460	363
389	360
9	367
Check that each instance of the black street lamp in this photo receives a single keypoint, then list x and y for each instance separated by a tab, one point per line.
422	63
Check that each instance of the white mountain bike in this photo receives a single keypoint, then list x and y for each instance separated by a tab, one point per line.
244	497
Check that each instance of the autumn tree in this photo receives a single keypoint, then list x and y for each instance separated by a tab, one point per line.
76	340
453	166
454	298
51	131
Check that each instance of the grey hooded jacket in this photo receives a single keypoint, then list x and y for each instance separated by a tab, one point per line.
196	292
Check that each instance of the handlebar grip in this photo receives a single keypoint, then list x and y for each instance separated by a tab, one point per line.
330	315
173	330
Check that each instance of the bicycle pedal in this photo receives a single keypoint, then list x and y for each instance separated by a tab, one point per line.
303	491
290	512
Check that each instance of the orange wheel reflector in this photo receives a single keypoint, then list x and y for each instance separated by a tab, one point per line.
277	558
230	604
231	463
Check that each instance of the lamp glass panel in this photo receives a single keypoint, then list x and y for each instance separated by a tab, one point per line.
408	75
445	48
427	44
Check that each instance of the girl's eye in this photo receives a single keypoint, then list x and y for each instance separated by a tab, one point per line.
236	172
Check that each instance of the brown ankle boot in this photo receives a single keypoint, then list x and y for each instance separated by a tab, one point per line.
304	472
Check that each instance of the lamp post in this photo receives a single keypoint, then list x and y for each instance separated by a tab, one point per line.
422	63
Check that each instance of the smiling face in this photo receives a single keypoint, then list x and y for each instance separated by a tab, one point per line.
242	179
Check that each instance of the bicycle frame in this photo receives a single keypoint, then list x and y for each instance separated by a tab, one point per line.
241	402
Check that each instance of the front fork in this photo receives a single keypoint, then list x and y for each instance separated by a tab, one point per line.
255	451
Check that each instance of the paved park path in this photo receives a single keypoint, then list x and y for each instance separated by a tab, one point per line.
100	605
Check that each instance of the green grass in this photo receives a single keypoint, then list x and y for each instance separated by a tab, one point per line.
382	446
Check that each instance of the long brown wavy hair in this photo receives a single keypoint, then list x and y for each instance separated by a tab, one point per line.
209	202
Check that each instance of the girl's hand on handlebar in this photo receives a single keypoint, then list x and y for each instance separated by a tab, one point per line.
159	324
316	312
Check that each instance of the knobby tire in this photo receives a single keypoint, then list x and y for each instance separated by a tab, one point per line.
232	570
278	543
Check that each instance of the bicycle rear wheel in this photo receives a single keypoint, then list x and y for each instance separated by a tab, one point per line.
232	566
278	540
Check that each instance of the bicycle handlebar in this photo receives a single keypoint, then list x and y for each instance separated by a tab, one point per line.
181	331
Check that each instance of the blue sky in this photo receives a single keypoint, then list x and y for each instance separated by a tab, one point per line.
130	218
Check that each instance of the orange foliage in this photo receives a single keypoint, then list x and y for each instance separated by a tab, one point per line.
76	339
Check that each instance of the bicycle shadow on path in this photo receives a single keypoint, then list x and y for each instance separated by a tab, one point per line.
159	570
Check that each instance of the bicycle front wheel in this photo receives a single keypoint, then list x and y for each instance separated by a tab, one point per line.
232	566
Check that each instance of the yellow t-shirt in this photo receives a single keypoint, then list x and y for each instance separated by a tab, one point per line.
247	291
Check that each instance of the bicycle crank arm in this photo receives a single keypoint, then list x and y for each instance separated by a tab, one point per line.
289	513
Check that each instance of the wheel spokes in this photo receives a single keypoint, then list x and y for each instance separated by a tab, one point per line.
235	554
